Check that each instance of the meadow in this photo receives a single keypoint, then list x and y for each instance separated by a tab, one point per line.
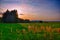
29	31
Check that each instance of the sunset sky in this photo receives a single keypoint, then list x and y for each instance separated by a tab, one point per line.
33	9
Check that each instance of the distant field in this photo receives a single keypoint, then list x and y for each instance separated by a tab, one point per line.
29	31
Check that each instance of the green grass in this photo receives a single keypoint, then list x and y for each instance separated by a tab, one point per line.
19	31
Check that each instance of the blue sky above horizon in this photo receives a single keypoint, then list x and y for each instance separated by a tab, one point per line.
33	9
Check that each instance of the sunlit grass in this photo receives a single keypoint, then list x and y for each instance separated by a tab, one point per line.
30	31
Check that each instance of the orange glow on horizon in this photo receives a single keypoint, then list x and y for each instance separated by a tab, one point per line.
30	17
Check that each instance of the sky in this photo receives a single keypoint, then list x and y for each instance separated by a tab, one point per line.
47	10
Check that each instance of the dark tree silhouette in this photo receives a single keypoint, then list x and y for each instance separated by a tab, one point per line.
27	21
10	16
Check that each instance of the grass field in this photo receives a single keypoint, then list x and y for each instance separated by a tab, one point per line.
29	31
